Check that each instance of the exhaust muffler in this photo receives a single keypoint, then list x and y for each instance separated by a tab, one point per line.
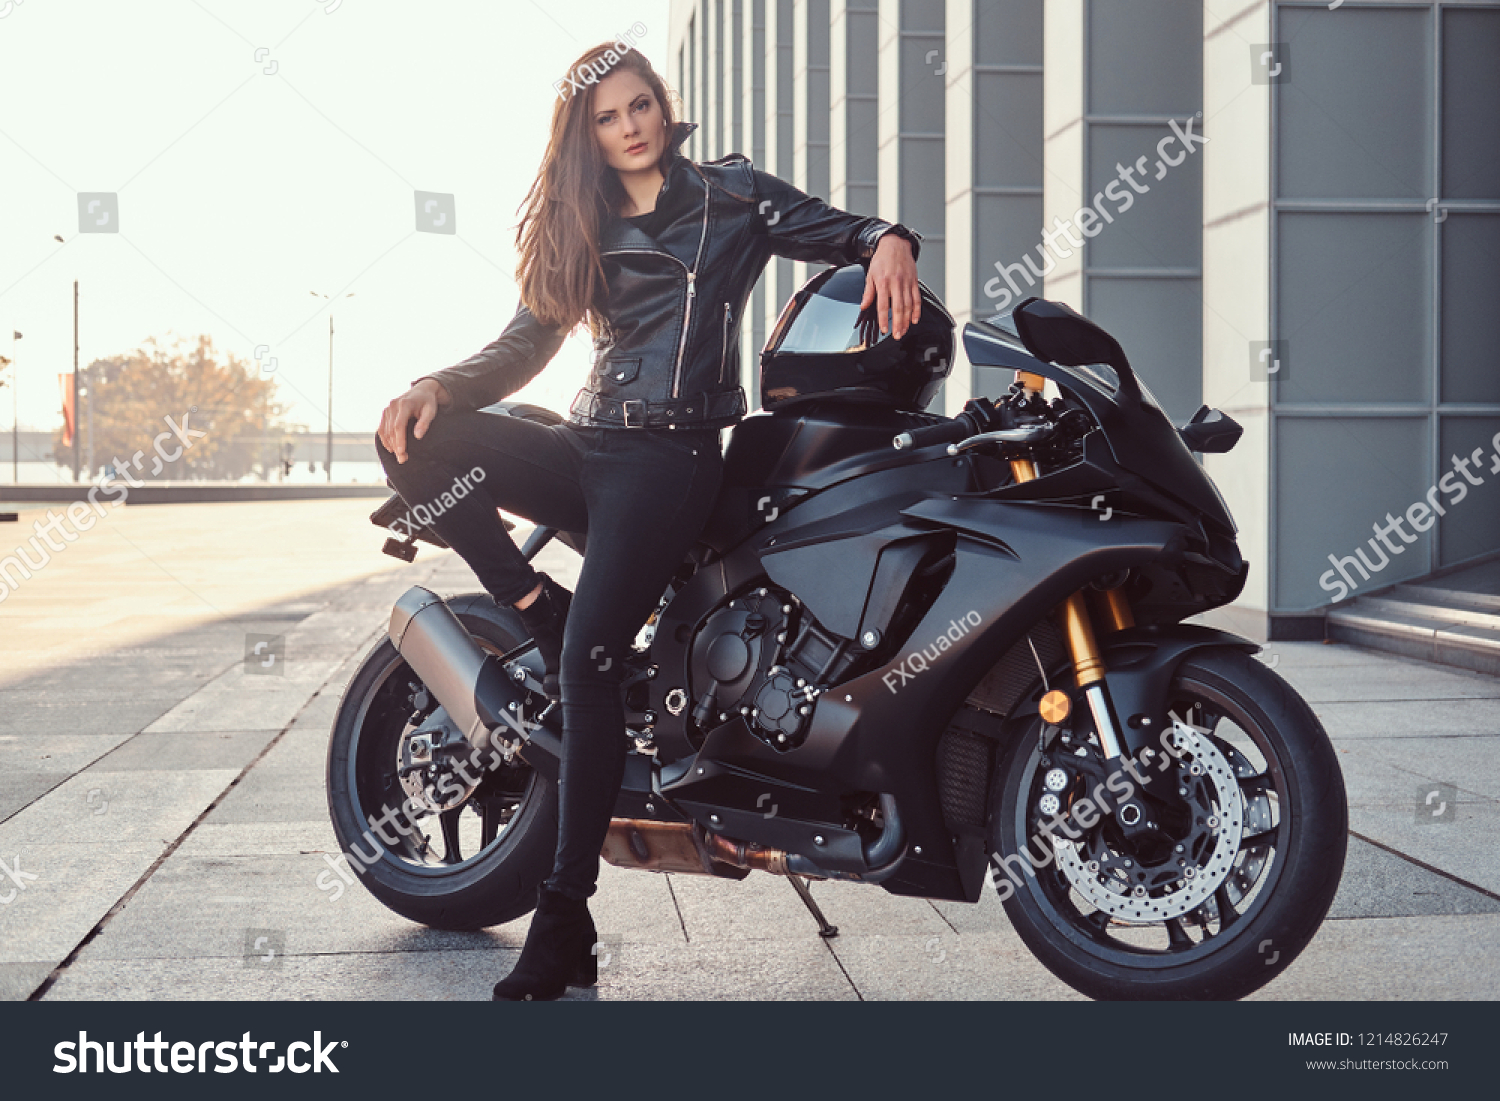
687	848
471	684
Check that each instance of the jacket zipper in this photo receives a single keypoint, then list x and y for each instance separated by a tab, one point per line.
724	347
692	291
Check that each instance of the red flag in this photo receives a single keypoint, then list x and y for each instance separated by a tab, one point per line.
66	382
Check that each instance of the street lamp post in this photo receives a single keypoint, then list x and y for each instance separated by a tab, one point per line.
328	461
15	415
15	433
88	420
75	381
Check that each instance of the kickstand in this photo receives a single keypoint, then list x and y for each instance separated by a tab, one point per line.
824	929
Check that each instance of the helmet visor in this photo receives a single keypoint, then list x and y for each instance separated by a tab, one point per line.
822	326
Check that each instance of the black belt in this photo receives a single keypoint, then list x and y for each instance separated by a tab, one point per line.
641	413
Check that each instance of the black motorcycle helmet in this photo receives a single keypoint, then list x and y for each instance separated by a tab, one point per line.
824	346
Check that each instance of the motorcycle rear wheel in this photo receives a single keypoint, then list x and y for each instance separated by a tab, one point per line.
1268	903
474	866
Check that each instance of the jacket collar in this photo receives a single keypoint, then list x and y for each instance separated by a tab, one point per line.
678	162
680	133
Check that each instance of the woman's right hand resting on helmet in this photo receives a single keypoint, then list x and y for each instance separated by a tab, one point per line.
420	402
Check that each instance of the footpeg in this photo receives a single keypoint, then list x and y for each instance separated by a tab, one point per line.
405	549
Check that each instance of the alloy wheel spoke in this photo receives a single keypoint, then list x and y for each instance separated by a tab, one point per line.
1202	918
1228	915
1264	837
491	812
1261	784
1197	717
1177	937
449	822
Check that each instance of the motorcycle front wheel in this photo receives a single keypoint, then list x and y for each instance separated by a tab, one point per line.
1224	904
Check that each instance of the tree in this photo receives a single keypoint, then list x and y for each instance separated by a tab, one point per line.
132	395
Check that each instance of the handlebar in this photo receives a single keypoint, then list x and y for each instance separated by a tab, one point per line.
944	432
1020	419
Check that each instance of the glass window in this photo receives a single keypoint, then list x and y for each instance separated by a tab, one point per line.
1356	103
1354	307
1161	224
1471	293
1163	40
1334	480
1471	96
1472	524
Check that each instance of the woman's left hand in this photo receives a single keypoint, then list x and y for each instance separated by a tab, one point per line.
891	284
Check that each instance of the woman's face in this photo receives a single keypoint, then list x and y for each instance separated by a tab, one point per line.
628	122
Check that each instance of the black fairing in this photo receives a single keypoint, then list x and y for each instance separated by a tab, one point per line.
801	446
775	458
1141	438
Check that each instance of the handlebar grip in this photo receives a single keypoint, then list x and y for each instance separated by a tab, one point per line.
948	431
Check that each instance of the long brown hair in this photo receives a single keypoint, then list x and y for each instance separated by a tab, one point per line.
559	270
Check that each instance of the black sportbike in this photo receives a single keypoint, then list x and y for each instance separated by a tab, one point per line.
941	655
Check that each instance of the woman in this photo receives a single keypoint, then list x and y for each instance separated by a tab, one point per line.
657	255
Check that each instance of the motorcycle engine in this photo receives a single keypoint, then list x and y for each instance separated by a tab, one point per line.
764	656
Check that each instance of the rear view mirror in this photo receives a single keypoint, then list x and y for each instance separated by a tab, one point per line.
1210	432
1059	334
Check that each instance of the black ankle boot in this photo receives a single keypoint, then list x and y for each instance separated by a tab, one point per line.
545	618
559	951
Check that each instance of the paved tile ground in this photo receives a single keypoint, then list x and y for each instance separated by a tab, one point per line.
169	802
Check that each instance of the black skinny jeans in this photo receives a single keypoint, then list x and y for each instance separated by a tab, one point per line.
642	497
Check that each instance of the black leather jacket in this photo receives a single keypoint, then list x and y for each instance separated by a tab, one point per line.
669	354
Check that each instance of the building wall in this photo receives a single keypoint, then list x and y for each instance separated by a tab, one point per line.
752	37
781	145
910	132
1237	280
1142	273
994	164
810	105
1323	263
854	97
1383	238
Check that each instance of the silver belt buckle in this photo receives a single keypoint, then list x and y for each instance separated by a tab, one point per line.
625	411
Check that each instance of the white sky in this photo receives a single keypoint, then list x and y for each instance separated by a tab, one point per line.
240	191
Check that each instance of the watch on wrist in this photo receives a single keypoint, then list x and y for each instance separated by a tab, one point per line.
906	234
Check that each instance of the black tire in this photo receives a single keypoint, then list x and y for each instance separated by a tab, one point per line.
1284	904
496	885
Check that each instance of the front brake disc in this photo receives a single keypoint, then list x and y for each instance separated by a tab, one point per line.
1116	884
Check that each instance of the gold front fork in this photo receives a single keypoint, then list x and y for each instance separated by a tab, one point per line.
1078	628
1114	609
